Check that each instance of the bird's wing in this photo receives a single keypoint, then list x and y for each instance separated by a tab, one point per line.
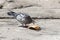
18	17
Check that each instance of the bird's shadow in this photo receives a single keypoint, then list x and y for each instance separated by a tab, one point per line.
23	26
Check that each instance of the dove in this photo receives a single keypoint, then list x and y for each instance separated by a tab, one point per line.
23	18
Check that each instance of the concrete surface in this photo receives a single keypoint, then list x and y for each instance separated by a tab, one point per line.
34	12
8	4
50	30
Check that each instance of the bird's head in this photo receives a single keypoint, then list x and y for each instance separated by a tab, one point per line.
11	13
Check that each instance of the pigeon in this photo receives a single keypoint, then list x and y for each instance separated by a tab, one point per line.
21	17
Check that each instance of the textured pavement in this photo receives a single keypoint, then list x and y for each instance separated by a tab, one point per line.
50	30
47	10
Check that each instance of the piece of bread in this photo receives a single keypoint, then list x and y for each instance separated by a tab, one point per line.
34	27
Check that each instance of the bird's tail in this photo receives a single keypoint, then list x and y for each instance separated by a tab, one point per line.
12	13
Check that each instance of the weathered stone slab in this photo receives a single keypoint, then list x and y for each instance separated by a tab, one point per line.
2	2
24	3
49	29
34	12
7	22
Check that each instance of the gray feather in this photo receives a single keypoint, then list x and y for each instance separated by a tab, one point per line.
22	17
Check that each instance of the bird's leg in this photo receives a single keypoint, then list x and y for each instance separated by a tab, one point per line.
33	22
25	25
22	24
